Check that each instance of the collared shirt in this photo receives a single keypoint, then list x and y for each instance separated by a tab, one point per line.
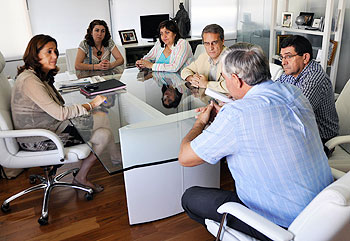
273	150
317	87
181	56
214	68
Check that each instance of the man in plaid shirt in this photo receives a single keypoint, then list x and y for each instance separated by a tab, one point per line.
305	73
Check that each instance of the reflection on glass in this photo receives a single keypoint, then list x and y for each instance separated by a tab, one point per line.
89	73
171	96
198	93
147	98
95	129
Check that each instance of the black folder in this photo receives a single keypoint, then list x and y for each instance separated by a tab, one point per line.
102	87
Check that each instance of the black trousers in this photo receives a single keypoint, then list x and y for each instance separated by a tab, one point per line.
200	203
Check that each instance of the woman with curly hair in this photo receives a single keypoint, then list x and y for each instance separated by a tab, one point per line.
94	52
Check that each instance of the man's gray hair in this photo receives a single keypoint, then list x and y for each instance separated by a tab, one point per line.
248	61
214	28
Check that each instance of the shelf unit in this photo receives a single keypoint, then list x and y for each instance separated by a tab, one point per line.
326	34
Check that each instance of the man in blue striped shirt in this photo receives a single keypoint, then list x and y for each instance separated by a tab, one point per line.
305	73
270	140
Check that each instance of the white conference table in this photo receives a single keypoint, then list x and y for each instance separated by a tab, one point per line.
150	135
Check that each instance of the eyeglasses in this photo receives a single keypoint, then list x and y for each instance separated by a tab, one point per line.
214	43
287	57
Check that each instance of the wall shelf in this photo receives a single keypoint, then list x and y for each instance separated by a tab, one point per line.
297	30
326	35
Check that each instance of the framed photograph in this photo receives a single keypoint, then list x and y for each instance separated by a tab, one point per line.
308	17
316	23
287	18
128	36
279	41
331	52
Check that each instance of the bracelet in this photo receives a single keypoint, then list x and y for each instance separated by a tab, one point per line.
92	66
89	106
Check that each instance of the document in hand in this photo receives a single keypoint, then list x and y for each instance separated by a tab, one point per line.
102	87
217	95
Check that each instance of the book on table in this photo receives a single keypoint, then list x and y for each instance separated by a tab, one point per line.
102	87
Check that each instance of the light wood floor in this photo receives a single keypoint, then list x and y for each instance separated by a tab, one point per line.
105	217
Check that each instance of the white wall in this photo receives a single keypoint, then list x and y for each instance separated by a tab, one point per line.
66	20
15	28
204	12
126	13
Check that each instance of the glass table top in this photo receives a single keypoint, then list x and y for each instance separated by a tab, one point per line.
156	107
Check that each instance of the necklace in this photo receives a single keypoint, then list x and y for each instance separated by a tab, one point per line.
99	52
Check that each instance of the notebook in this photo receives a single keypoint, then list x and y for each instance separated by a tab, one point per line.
102	87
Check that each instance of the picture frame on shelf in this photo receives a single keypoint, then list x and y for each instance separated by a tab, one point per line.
128	36
331	52
321	24
280	38
308	17
287	19
316	23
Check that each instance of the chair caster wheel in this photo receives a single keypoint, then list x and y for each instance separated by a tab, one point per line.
43	221
32	179
5	208
75	173
89	196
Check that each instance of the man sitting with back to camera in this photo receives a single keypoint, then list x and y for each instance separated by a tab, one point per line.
305	73
205	71
270	140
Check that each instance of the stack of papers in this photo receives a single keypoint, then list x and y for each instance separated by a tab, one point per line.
74	85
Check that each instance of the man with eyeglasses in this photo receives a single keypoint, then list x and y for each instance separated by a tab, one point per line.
270	140
305	73
205	71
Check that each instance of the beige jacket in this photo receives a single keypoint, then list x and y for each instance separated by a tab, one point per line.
202	66
37	104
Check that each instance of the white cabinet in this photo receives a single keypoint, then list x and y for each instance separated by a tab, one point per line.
326	35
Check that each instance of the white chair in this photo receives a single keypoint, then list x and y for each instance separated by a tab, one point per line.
61	63
340	158
199	50
276	71
325	218
123	53
71	54
13	157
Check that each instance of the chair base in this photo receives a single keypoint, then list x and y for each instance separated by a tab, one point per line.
48	182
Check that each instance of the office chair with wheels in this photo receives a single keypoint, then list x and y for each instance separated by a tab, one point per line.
325	218
340	158
13	157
